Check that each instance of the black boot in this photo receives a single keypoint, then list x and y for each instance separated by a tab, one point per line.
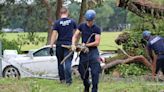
87	86
86	89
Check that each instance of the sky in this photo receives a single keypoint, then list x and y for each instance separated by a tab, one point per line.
78	0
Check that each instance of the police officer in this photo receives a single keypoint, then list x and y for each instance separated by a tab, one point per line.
90	34
64	29
155	48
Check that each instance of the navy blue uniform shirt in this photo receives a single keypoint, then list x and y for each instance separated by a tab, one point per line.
156	43
86	34
65	28
88	31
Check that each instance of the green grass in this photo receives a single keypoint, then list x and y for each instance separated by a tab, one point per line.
107	40
107	85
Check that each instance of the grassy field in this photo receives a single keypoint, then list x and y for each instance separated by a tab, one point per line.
107	40
107	85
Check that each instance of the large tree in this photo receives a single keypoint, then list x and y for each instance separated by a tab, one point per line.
59	5
82	10
49	19
49	15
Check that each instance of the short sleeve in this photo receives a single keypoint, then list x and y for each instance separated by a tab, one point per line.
80	27
55	26
98	30
74	24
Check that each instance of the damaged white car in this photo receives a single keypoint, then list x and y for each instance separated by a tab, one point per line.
37	63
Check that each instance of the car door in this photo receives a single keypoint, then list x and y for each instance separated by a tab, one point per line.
43	64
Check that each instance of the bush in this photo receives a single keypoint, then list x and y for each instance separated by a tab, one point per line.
132	69
30	38
9	44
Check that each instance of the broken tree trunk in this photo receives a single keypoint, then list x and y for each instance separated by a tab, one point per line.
142	7
130	59
133	59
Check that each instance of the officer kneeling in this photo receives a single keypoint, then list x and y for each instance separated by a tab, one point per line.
90	34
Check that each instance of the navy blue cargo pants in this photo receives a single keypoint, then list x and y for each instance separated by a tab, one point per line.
90	60
160	64
64	69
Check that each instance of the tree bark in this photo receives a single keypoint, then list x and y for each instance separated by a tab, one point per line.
142	7
59	6
49	16
141	59
82	11
130	59
49	20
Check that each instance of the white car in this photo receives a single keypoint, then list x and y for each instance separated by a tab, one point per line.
37	63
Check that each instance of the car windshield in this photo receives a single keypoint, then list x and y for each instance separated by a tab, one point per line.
43	52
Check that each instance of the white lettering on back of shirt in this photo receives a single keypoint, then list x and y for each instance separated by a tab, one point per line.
155	40
65	23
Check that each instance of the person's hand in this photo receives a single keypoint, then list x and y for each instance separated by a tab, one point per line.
83	44
51	51
73	47
85	48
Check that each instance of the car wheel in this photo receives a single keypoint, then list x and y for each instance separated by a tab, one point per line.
11	72
75	71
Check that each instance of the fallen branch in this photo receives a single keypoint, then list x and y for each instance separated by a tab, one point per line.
131	59
142	7
123	38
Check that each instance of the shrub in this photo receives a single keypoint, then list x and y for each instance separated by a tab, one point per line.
132	69
9	44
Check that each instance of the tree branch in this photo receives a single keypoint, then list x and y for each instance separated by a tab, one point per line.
140	59
141	7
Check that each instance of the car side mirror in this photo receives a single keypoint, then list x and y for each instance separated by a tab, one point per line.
31	56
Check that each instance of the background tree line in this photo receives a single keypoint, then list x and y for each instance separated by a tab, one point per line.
34	16
39	15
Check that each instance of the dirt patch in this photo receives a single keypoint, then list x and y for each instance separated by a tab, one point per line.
15	87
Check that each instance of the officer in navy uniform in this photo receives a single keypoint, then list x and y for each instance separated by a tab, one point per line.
89	30
155	44
63	29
